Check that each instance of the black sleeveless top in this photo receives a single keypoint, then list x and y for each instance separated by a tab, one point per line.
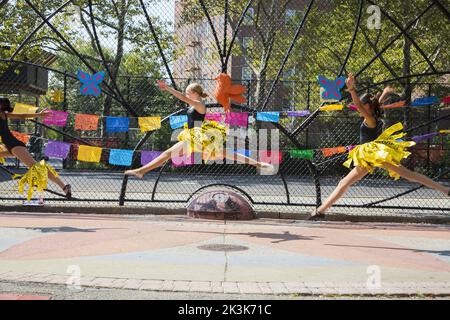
7	137
195	118
367	134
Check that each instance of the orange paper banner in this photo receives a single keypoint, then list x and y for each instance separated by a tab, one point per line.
86	122
25	138
395	105
328	152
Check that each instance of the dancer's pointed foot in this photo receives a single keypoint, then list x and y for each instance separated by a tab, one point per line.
266	168
135	173
316	215
68	191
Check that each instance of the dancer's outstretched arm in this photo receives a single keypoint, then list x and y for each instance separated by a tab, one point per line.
368	117
198	105
26	116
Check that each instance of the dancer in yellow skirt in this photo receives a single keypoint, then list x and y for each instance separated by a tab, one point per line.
376	149
39	172
199	135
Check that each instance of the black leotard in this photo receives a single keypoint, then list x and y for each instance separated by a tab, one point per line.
367	134
195	118
8	139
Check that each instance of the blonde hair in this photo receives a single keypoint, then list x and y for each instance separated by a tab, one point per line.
197	88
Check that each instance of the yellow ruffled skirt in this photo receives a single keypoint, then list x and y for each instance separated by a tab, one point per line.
36	177
384	149
208	139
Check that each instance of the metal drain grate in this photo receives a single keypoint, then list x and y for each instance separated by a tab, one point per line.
222	247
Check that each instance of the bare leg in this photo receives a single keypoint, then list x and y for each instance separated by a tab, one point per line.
416	177
177	149
354	176
25	157
244	159
5	154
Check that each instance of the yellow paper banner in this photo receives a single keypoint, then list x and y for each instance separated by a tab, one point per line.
21	108
149	123
444	131
89	154
332	107
58	96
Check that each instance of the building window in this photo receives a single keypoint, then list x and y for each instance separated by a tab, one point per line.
248	19
246	73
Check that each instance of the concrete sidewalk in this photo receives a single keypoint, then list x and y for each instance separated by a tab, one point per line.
179	254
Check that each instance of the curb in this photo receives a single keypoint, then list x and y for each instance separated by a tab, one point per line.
161	210
230	287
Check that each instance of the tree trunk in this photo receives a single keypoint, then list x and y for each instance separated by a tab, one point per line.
115	68
407	69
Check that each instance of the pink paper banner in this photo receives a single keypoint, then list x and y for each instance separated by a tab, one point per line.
237	119
56	118
272	157
183	161
218	117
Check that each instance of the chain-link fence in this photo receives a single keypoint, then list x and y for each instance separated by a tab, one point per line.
276	49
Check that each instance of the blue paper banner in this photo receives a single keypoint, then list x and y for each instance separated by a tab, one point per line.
117	124
177	121
268	116
120	157
427	101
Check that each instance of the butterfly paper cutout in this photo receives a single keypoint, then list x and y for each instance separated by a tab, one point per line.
332	88
90	83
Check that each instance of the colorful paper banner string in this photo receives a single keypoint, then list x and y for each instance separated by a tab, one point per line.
57	96
216	116
328	152
302	154
424	137
149	123
182	161
86	122
178	121
120	157
57	149
332	107
446	100
426	101
25	138
56	118
89	154
21	108
239	119
395	105
117	124
268	116
272	157
302	113
149	156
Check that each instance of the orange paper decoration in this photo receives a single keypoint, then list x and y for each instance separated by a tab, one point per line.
328	152
395	105
25	138
86	122
226	91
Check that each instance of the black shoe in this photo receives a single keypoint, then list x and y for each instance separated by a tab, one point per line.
68	190
317	216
